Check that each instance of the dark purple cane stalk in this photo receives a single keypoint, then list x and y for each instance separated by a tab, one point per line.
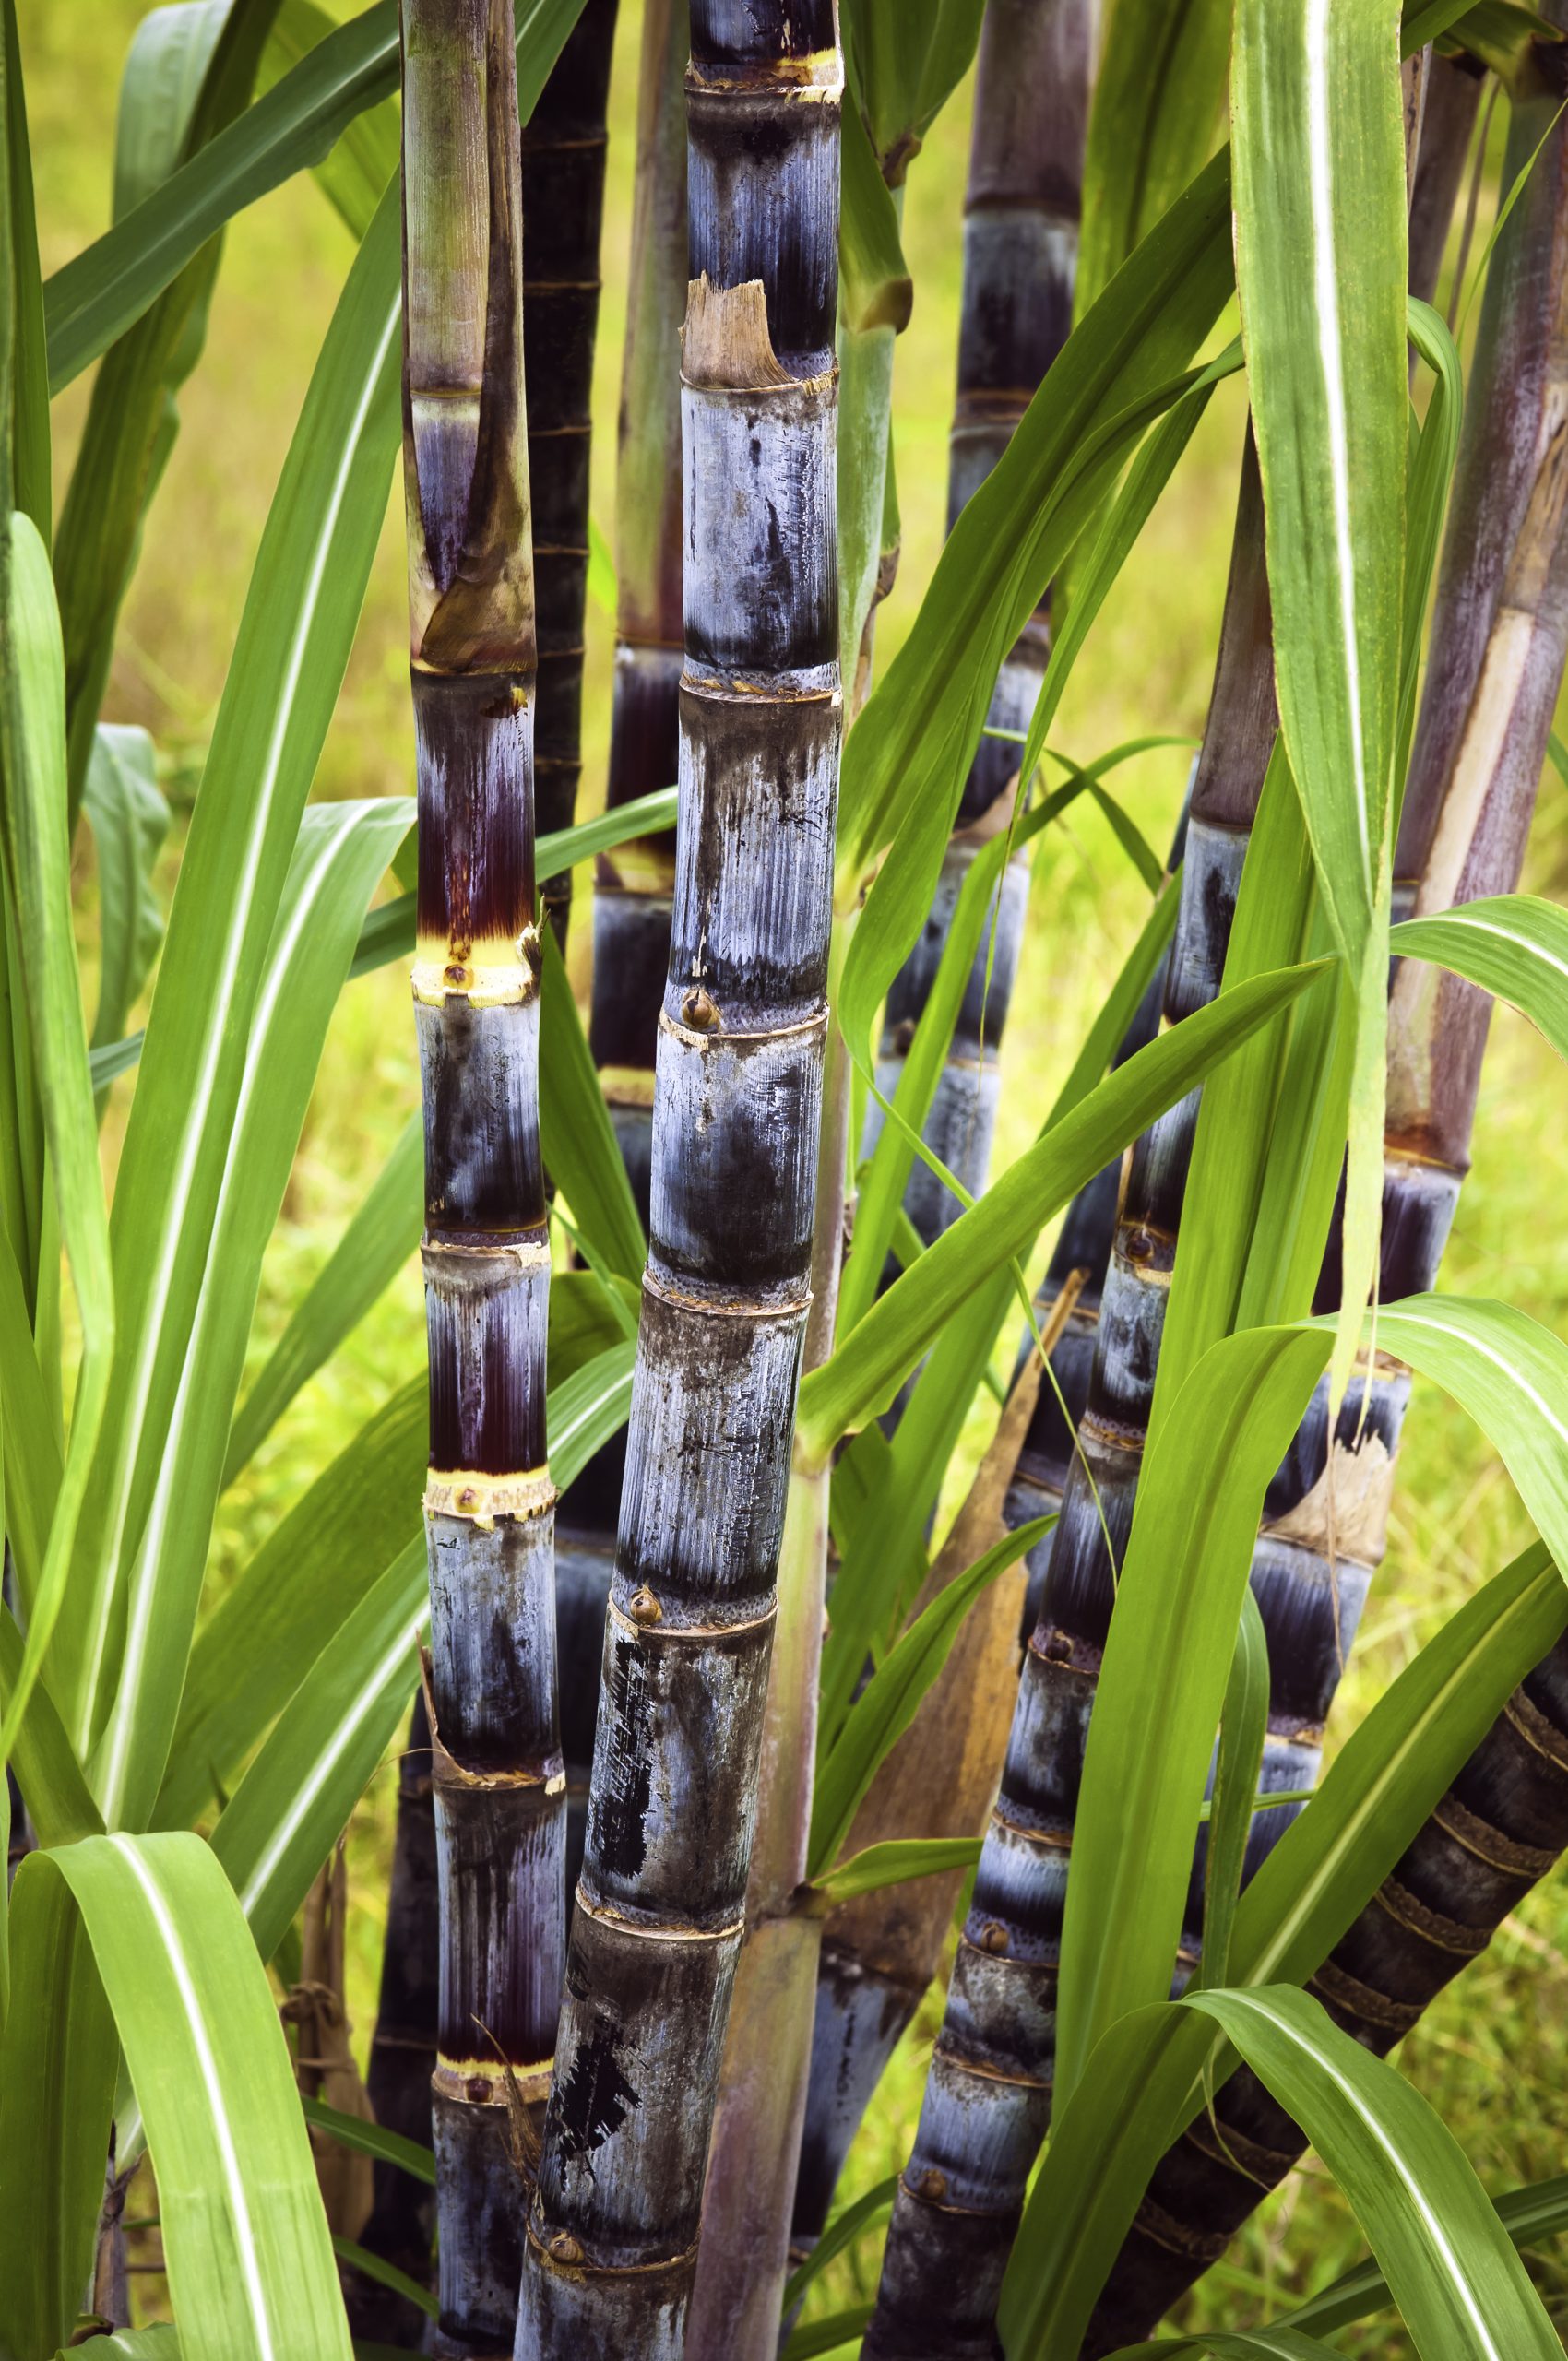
988	2094
633	886
563	145
403	2056
735	1128
499	1784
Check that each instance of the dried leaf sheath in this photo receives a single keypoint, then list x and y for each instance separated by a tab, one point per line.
988	2094
1020	248
736	1115
498	1780
633	886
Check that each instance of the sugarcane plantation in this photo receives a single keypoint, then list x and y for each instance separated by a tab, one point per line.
783	1263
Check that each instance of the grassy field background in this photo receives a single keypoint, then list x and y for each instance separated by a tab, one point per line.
1490	2054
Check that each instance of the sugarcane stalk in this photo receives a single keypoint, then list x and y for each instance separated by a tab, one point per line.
735	1135
402	2055
562	149
1021	215
1499	640
633	886
988	2094
1498	1831
1453	95
499	1787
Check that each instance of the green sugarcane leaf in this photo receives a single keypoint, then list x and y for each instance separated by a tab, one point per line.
59	1802
386	2274
311	1571
246	2242
588	1408
902	61
373	1248
875	287
1458	2281
129	820
116	1058
190	72
355	171
580	1150
1162	1680
1158	100
838	2332
99	294
1375	1796
37	861
27	1432
160	88
1243	1727
1513	944
58	2059
1499	32
293	645
1270	2343
293	1803
882	1563
861	1374
164	217
343	850
907	757
1099	563
1188	1556
890	1700
838	2239
1529	2215
1511	1375
1321	269
895	1863
24	367
1436	447
371	2140
160	2344
1233	1167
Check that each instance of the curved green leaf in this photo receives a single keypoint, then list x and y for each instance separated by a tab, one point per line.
37	858
1158	100
1162	1680
1460	2286
293	1803
246	2243
379	1240
59	2057
888	1703
1321	268
129	819
1530	2215
895	1863
1513	944
343	849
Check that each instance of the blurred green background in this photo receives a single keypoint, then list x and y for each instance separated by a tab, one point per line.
1489	2055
